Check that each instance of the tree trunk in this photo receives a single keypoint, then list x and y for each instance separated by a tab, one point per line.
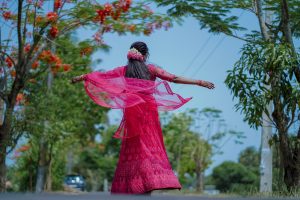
5	136
43	163
287	33
199	177
30	172
289	154
42	166
48	186
266	133
2	166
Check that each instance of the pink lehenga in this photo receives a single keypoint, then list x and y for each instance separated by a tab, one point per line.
143	163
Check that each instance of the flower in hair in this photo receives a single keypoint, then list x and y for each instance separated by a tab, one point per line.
134	54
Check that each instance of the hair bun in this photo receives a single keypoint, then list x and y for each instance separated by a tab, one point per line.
134	54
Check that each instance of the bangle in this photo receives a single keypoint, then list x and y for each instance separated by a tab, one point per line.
199	82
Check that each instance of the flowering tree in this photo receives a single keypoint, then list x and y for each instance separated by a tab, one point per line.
30	30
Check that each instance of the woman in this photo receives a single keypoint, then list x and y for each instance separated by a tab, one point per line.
143	164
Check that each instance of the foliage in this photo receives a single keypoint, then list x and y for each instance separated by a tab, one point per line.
231	176
260	65
69	124
189	149
178	137
222	16
97	161
250	158
268	71
27	53
39	28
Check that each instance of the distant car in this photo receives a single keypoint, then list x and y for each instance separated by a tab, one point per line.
75	181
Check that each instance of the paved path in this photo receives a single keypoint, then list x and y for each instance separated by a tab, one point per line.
104	196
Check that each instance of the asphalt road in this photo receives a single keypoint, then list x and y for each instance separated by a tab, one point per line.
104	196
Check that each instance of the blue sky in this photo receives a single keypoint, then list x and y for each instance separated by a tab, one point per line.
174	50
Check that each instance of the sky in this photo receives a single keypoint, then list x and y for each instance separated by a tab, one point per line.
201	55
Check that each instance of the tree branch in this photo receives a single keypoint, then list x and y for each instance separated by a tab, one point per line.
25	24
34	18
288	33
19	23
4	97
4	53
238	37
262	23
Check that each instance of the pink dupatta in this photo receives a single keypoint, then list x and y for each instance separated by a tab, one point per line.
112	89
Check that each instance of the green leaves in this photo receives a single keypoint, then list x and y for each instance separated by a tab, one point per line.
250	80
214	15
229	175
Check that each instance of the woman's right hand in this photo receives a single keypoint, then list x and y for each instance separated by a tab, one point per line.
77	79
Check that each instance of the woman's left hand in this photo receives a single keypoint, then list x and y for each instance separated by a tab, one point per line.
207	84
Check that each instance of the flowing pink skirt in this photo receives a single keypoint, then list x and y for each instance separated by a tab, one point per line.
143	164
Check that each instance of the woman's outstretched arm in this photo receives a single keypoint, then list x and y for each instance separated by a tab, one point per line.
183	80
115	72
161	73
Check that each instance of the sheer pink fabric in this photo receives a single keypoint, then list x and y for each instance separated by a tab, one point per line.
112	89
143	164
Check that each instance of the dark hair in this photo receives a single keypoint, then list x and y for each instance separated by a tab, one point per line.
137	68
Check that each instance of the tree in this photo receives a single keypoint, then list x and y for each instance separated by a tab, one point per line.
231	176
30	54
250	158
193	138
72	123
268	70
187	151
98	161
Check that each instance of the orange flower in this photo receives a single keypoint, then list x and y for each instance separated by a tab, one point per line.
49	57
54	59
52	16
66	67
39	19
35	65
9	62
126	5
108	9
45	55
23	148
13	73
27	47
57	4
147	31
86	51
53	31
132	28
116	15
101	16
20	97
7	15
36	48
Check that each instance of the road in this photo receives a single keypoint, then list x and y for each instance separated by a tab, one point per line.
104	196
